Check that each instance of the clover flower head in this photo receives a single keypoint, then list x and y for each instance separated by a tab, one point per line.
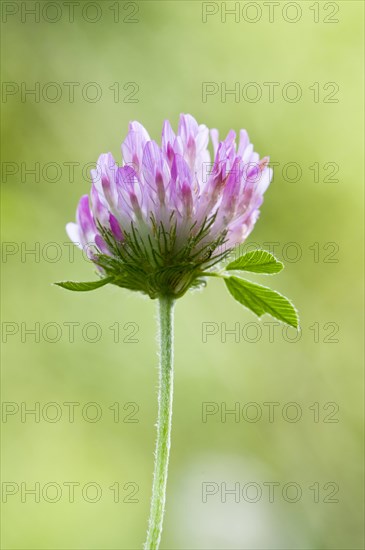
169	213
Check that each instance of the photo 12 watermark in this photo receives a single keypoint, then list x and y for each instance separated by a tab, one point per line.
69	92
73	171
269	92
70	332
31	12
246	12
270	332
269	412
92	492
252	492
70	412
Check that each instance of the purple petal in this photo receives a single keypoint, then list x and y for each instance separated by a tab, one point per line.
244	141
131	193
101	244
133	145
72	230
168	138
115	227
188	127
85	221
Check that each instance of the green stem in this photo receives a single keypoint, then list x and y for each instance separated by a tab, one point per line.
211	274
165	394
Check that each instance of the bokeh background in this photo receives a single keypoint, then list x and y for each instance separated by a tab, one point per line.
160	53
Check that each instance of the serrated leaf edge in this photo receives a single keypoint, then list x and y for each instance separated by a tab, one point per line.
99	284
282	265
297	328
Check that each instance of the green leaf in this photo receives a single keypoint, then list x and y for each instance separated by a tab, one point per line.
258	261
83	287
261	299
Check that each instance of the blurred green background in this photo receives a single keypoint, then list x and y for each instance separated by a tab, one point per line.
167	52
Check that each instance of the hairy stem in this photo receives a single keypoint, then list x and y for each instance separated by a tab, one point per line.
165	396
